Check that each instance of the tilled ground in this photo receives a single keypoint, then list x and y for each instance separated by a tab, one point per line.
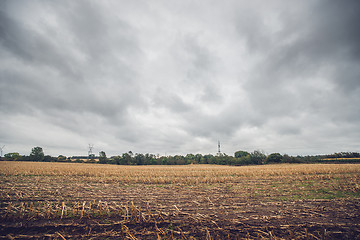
81	208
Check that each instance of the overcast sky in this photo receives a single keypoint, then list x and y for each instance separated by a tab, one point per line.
174	77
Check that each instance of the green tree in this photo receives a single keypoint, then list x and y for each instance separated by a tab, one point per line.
139	159
12	156
37	154
150	159
126	159
163	160
222	159
274	158
179	160
48	158
102	157
244	160
257	157
190	158
117	160
290	159
207	159
198	157
240	154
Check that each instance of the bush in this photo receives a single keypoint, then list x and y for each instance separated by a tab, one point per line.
257	157
274	158
240	154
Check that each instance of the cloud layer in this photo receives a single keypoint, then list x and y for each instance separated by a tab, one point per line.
175	77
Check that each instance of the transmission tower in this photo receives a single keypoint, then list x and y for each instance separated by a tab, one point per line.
91	146
219	152
1	149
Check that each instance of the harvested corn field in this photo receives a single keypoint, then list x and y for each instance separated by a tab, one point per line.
92	201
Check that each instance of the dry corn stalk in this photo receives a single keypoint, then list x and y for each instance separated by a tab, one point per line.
208	236
61	236
127	231
62	210
82	210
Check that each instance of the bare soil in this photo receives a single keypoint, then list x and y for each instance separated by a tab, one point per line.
188	212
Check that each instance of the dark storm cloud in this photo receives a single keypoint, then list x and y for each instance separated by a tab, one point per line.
31	47
309	61
54	87
172	77
68	67
327	36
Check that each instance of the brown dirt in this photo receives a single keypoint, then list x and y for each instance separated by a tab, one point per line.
189	212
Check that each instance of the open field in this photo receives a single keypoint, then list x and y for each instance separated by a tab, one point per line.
92	201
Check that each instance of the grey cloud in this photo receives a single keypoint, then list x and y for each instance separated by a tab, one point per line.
67	96
170	77
38	50
203	71
30	46
214	126
210	95
98	35
309	47
201	61
170	101
250	27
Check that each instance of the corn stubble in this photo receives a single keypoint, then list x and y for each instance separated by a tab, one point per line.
85	201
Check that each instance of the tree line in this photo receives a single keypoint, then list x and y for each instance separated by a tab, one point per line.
240	158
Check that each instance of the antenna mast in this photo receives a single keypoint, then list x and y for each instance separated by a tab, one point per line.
219	152
1	149
91	146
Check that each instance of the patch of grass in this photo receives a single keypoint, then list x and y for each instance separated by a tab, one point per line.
327	194
355	194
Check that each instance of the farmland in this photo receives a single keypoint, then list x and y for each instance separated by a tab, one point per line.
93	201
